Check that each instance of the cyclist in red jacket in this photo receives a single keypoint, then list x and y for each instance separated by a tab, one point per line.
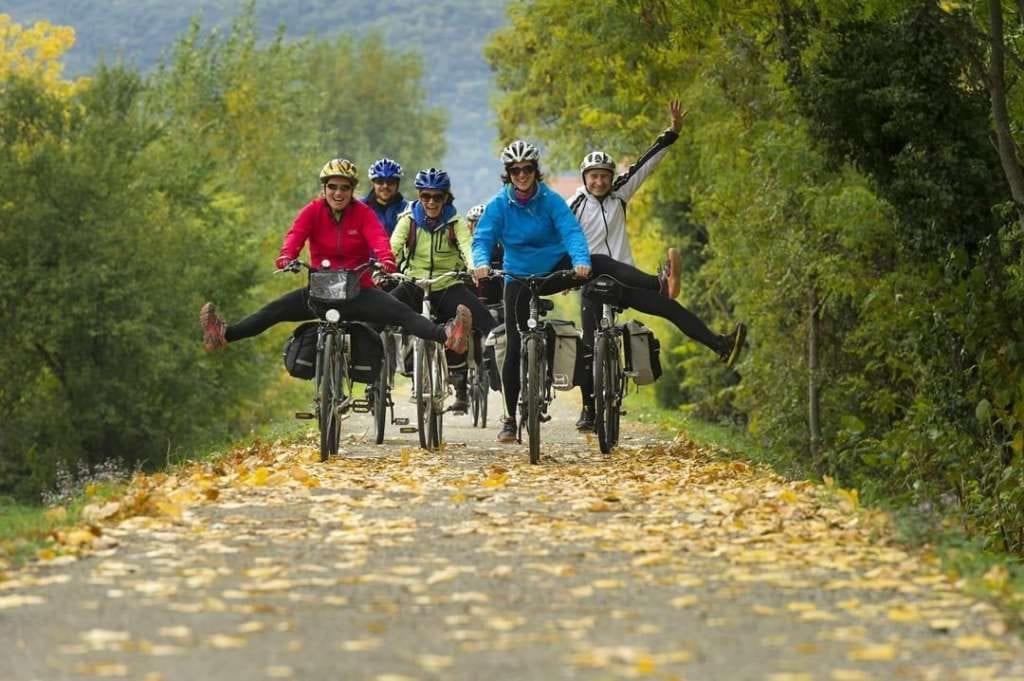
341	234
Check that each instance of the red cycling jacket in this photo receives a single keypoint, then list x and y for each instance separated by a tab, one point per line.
347	243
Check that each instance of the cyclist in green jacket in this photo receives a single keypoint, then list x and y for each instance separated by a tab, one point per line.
430	238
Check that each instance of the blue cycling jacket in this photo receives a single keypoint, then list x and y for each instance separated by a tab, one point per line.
536	235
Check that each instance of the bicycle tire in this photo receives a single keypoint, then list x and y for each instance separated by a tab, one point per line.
474	396
421	388
533	396
605	408
484	387
438	385
380	405
327	411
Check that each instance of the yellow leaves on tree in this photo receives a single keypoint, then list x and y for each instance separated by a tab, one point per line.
35	52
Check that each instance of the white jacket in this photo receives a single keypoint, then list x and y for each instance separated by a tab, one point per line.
604	220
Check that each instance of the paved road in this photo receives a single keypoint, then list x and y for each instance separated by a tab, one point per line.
392	564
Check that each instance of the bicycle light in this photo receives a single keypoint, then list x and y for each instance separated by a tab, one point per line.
531	323
332	315
325	263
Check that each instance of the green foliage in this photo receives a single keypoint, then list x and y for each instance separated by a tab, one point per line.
125	207
835	166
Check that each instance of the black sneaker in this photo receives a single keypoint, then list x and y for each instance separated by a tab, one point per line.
733	344
586	420
508	432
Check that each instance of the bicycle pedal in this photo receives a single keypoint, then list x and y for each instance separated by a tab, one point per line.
408	429
623	412
360	406
307	415
403	421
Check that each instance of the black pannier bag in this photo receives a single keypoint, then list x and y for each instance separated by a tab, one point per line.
643	353
367	353
300	351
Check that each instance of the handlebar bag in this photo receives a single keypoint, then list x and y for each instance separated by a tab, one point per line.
333	286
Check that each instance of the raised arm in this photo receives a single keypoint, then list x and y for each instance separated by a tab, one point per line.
626	184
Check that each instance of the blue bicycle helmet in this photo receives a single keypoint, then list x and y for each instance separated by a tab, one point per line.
433	178
385	168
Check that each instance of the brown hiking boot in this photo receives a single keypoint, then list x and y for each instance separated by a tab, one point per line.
213	327
668	275
458	329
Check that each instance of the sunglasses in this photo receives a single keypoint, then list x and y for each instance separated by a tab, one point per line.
386	183
431	198
516	171
331	187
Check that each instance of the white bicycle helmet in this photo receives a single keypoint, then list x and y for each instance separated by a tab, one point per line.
597	160
519	151
474	213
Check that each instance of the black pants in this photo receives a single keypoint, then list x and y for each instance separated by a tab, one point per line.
444	303
371	305
643	301
640	291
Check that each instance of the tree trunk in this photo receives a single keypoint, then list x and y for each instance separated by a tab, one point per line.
813	379
1005	143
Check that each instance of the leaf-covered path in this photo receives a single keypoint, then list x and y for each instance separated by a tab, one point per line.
391	564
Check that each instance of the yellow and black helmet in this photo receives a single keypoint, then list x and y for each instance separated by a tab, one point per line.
339	167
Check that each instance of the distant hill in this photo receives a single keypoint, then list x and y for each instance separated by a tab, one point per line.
448	33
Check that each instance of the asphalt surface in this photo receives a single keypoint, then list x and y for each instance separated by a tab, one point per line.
390	564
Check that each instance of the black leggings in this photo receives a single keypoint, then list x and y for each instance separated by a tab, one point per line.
371	305
643	301
640	291
444	304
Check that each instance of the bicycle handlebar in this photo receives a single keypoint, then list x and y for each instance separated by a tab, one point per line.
296	265
535	280
461	275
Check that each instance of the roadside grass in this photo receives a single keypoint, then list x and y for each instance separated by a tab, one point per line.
27	529
991	575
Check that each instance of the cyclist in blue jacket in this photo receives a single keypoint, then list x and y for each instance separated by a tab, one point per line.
541	235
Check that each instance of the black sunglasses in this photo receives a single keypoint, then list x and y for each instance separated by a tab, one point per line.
427	197
516	171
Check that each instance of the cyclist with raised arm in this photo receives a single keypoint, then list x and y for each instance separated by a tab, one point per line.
600	207
540	235
384	196
342	232
431	238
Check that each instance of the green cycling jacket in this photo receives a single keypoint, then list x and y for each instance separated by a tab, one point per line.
431	253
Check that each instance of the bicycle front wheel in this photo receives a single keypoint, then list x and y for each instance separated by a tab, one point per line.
424	392
534	389
606	408
439	385
328	399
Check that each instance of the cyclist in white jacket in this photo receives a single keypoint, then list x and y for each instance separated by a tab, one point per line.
600	207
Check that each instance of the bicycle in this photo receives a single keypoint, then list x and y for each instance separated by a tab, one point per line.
379	393
430	368
332	385
535	380
609	376
478	377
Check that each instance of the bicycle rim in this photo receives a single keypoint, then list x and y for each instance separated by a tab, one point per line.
602	409
616	382
533	397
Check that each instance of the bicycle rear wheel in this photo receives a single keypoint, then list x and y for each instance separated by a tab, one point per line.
534	389
328	398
